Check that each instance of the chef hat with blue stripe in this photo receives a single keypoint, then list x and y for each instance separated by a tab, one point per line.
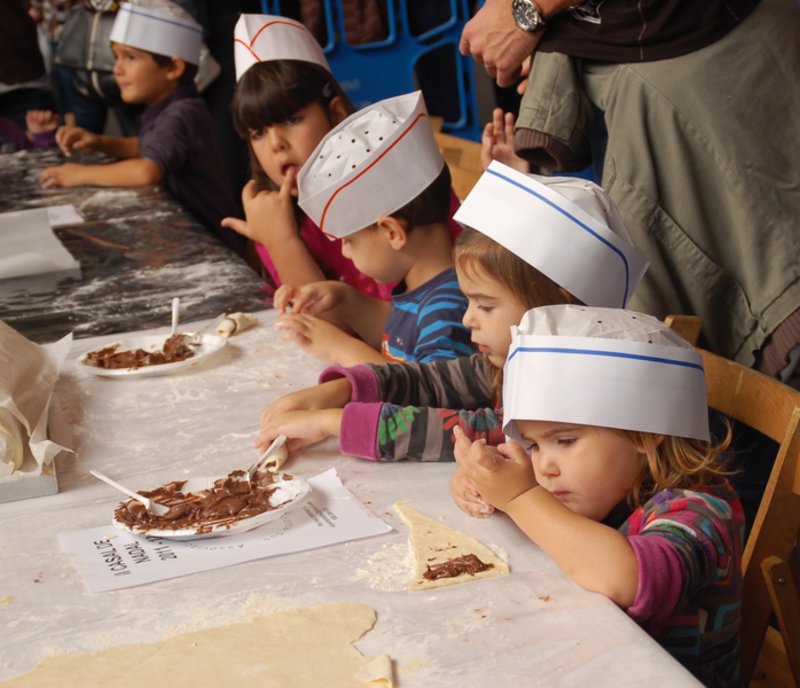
565	227
163	28
606	367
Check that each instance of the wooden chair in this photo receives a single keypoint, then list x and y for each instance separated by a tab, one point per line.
463	157
771	561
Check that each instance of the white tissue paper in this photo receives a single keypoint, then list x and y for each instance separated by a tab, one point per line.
28	373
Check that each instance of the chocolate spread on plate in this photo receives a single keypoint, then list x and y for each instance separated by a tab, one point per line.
230	499
174	349
452	568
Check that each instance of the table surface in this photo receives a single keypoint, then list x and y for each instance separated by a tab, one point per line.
137	248
533	628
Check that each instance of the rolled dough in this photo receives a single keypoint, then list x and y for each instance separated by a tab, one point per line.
310	647
434	543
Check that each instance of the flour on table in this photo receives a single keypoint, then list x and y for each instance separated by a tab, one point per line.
435	543
293	647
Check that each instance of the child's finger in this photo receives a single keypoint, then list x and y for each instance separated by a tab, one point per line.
509	126
249	191
288	182
235	224
497	122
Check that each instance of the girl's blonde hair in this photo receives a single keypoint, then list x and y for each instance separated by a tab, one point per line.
474	252
676	462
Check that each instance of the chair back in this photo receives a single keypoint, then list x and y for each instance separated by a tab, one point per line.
769	586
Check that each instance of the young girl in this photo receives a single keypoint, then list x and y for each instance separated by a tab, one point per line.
611	473
286	100
529	231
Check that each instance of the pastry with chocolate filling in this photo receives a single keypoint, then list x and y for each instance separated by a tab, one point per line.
175	349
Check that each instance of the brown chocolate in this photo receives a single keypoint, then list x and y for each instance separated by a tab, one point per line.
174	349
230	499
452	568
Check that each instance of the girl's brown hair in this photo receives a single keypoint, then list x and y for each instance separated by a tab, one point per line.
676	462
271	92
476	252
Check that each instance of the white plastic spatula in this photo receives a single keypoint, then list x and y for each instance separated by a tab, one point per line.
152	507
277	443
176	304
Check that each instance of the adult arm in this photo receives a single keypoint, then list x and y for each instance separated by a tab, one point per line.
493	38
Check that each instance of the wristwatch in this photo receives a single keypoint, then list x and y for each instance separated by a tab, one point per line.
527	15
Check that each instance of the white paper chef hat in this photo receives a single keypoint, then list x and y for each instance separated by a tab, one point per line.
567	228
606	367
370	165
264	37
165	29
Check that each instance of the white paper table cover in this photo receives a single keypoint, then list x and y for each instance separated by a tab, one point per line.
533	628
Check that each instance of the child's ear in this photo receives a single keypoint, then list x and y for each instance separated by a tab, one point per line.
337	110
176	69
395	230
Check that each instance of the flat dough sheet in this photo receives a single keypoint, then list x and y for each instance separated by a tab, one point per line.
434	543
310	647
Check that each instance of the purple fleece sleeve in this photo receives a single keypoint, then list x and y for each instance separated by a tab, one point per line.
362	380
358	432
661	577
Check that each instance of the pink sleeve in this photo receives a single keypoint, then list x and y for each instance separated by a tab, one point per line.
358	431
660	578
362	380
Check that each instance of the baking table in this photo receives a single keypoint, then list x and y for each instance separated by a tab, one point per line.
531	628
137	248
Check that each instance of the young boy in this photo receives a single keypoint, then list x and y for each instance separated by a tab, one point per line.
157	49
379	183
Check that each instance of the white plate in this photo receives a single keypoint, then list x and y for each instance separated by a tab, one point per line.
209	344
289	494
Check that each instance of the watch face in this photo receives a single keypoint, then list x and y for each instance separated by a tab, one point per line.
526	15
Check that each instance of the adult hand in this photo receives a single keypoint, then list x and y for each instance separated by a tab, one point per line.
500	474
493	39
467	497
497	142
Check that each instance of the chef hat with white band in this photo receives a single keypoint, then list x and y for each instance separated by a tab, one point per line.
265	37
372	164
606	367
163	29
567	228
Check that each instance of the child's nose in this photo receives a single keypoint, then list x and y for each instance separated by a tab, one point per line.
276	139
468	320
545	464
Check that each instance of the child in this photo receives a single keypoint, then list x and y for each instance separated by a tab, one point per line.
157	49
535	241
379	183
286	101
611	473
40	129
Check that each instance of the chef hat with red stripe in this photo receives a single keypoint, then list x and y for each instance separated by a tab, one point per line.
369	166
264	37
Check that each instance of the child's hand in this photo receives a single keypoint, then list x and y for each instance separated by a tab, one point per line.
319	338
68	174
75	138
331	394
269	214
466	497
37	121
314	298
301	427
499	474
497	142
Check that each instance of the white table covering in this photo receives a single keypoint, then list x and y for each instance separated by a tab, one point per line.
532	628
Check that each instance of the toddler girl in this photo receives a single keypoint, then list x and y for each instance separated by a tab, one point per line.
611	473
533	241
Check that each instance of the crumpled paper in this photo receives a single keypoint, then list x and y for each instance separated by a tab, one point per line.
28	374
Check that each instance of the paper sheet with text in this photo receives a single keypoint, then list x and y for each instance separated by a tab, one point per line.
110	559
